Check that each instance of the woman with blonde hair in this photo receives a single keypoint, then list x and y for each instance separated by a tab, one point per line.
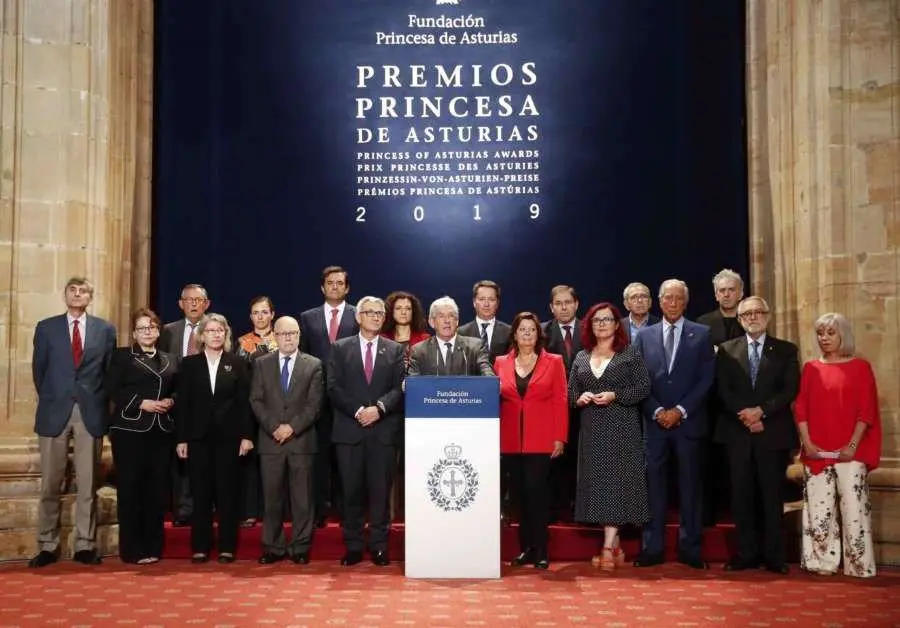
840	430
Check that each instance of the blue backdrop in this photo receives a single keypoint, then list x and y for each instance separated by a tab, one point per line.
637	169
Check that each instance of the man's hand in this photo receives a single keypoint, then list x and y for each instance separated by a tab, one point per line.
282	433
756	428
749	416
669	418
245	447
367	416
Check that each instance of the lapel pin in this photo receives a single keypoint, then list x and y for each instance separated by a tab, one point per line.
227	368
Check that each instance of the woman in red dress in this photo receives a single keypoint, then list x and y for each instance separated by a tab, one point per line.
840	430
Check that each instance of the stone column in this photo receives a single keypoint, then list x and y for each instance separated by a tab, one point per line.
824	140
75	129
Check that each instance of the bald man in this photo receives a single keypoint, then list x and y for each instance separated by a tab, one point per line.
286	396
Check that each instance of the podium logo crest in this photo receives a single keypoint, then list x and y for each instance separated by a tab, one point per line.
439	2
452	482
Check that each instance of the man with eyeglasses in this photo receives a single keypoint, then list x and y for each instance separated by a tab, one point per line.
494	334
638	302
447	352
180	339
364	382
320	328
758	378
286	396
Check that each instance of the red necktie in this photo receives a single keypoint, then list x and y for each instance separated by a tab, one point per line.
368	365
77	348
567	341
333	326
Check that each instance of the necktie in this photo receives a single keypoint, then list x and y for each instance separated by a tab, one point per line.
447	353
333	326
77	347
192	348
670	347
369	365
567	340
484	336
754	361
285	374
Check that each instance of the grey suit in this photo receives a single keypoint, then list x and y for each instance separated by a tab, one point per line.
71	403
299	407
469	358
171	340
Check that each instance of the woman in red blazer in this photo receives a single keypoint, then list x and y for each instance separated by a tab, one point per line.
534	425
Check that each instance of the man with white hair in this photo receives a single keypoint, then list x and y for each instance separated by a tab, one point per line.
638	301
447	353
364	380
723	324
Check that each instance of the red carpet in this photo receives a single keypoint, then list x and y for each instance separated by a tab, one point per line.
567	542
178	594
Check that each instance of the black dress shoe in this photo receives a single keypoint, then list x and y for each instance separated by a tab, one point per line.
648	560
381	558
351	558
693	563
42	559
269	558
226	558
300	558
525	558
181	522
740	564
86	557
779	568
322	521
199	558
542	563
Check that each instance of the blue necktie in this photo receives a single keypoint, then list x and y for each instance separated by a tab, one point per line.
754	361
285	374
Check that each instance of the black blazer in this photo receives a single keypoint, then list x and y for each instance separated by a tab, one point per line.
777	385
499	339
132	376
718	333
314	331
554	342
200	411
348	390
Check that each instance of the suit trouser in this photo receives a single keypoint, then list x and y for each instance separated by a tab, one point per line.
530	477
299	470
690	495
367	467
251	503
182	500
142	461
836	508
326	482
757	476
54	452
213	471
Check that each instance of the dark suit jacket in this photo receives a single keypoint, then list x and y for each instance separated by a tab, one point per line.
554	342
60	385
314	331
171	338
718	333
299	407
688	383
499	339
777	385
652	319
132	377
469	358
199	411
348	390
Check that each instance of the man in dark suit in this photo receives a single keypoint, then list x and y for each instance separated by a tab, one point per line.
723	324
180	339
447	352
286	397
563	337
681	364
757	378
494	334
364	383
637	301
71	353
320	328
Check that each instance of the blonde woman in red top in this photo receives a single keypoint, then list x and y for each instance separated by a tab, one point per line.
840	430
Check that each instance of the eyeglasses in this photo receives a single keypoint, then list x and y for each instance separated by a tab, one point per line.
215	332
752	313
639	297
603	320
287	334
193	300
146	329
373	313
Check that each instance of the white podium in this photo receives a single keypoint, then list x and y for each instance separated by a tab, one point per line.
452	470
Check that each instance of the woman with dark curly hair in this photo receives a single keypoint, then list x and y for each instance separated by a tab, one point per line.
405	322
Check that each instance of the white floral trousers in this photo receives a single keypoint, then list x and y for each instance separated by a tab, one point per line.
837	521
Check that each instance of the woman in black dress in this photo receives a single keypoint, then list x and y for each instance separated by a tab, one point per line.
607	382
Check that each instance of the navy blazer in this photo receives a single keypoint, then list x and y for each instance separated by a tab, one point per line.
687	385
60	385
314	331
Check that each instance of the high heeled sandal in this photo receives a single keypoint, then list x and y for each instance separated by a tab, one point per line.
606	560
619	557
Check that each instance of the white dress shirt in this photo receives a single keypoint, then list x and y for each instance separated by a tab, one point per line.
213	366
442	345
291	363
363	344
490	328
339	307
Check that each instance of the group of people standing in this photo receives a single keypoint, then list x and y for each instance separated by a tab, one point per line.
591	409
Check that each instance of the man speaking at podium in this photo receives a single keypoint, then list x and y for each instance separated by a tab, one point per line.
447	353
